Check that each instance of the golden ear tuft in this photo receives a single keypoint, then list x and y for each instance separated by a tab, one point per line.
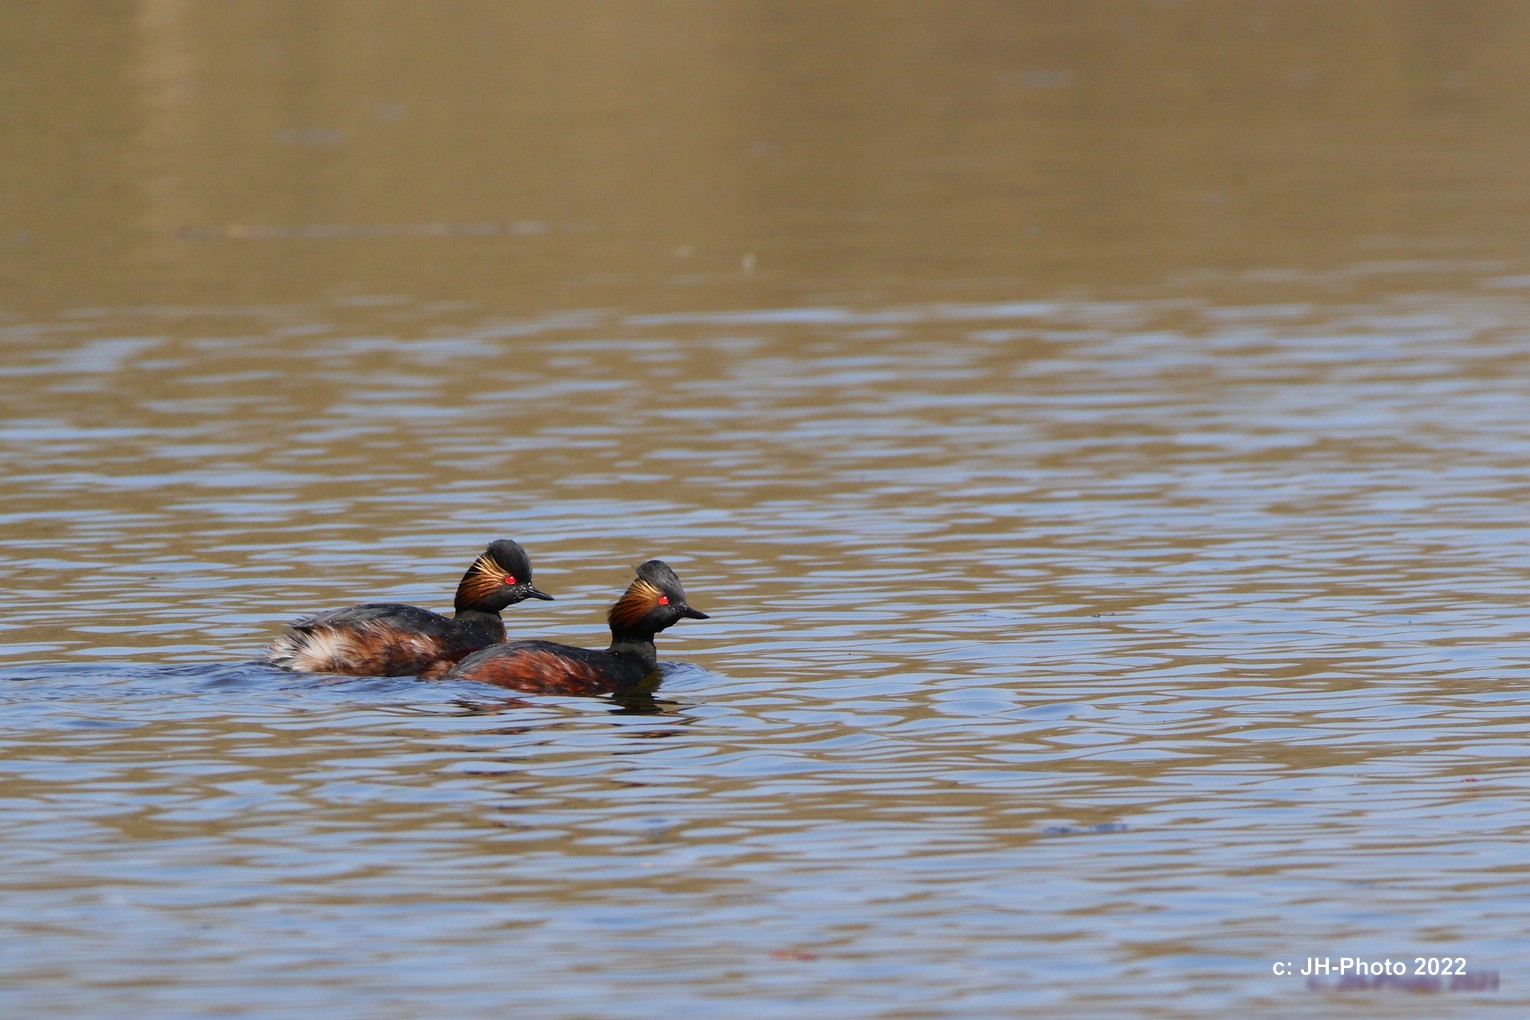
482	580
636	602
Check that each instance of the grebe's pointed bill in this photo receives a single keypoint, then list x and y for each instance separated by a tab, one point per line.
694	614
537	593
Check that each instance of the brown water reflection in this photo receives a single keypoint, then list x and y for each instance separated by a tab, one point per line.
1097	431
556	156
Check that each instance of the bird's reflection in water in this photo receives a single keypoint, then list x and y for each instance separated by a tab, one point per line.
629	703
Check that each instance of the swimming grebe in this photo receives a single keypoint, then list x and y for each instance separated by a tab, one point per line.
390	639
651	603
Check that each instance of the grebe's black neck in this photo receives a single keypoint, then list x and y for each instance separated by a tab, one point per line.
484	623
637	648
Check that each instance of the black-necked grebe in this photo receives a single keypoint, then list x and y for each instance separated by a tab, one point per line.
651	603
389	639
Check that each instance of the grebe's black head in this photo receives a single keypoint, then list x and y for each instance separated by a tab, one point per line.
652	602
500	577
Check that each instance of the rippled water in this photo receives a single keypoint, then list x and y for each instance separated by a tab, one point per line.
1070	657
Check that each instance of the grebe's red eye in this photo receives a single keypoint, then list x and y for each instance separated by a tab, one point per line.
509	579
663	600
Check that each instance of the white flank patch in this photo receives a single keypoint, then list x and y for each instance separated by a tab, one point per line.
317	651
